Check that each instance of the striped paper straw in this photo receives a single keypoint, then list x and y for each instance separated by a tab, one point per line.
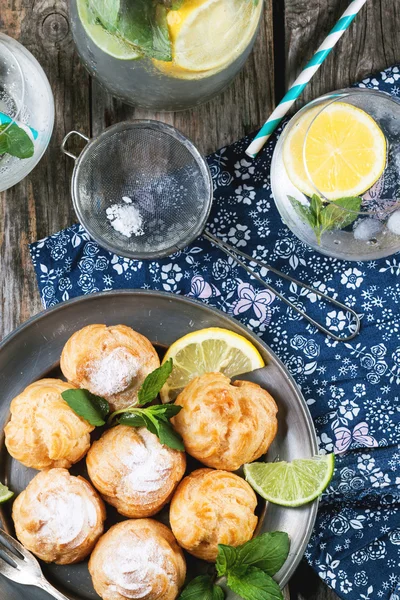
5	120
298	86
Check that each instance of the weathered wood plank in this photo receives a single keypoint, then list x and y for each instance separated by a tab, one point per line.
371	43
237	111
40	204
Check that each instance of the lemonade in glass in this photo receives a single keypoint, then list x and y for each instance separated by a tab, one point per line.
165	54
335	174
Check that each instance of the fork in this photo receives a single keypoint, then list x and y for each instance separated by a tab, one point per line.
22	567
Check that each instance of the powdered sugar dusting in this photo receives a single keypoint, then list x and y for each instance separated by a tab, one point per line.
135	566
65	517
125	218
113	372
149	464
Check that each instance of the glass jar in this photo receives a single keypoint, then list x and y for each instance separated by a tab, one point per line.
335	174
26	103
167	55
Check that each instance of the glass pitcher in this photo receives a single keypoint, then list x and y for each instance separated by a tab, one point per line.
164	54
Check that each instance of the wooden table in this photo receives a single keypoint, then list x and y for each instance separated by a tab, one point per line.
291	31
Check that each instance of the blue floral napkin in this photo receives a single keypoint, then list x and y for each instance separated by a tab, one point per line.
352	389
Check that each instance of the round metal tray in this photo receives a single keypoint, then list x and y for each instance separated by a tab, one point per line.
33	350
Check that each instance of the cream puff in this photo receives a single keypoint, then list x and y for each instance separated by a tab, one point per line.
137	559
111	362
224	424
133	471
212	507
59	517
43	431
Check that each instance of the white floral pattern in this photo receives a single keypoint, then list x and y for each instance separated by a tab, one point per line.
352	389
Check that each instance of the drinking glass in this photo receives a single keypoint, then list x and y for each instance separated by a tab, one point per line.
343	211
164	55
26	100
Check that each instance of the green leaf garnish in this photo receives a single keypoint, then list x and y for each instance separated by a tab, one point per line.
267	552
143	23
154	382
322	217
202	588
226	559
254	584
155	419
15	141
248	570
94	409
107	12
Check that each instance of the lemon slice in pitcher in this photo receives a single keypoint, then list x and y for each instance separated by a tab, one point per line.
208	351
345	151
206	35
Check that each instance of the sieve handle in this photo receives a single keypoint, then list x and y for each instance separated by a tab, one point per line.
235	254
67	138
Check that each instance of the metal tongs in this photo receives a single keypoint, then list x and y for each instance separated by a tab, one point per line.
238	256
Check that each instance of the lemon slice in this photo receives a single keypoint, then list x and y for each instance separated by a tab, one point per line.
210	34
345	151
208	351
291	483
106	41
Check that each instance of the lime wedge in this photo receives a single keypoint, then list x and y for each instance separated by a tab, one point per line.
5	493
291	483
106	41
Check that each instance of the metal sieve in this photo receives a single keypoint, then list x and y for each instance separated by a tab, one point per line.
169	183
156	167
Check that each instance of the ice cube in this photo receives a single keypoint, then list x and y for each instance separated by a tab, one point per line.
366	229
393	223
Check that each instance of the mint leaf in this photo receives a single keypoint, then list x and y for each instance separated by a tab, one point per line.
90	407
254	584
202	588
132	420
267	552
15	141
303	211
143	23
226	559
316	207
340	213
154	382
107	11
169	437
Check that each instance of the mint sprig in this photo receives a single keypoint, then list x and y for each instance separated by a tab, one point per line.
248	569
15	141
94	409
322	217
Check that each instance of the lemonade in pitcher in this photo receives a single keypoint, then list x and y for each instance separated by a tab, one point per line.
165	54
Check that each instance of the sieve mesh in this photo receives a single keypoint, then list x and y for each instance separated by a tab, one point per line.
160	171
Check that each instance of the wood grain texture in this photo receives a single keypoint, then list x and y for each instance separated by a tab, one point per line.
371	44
